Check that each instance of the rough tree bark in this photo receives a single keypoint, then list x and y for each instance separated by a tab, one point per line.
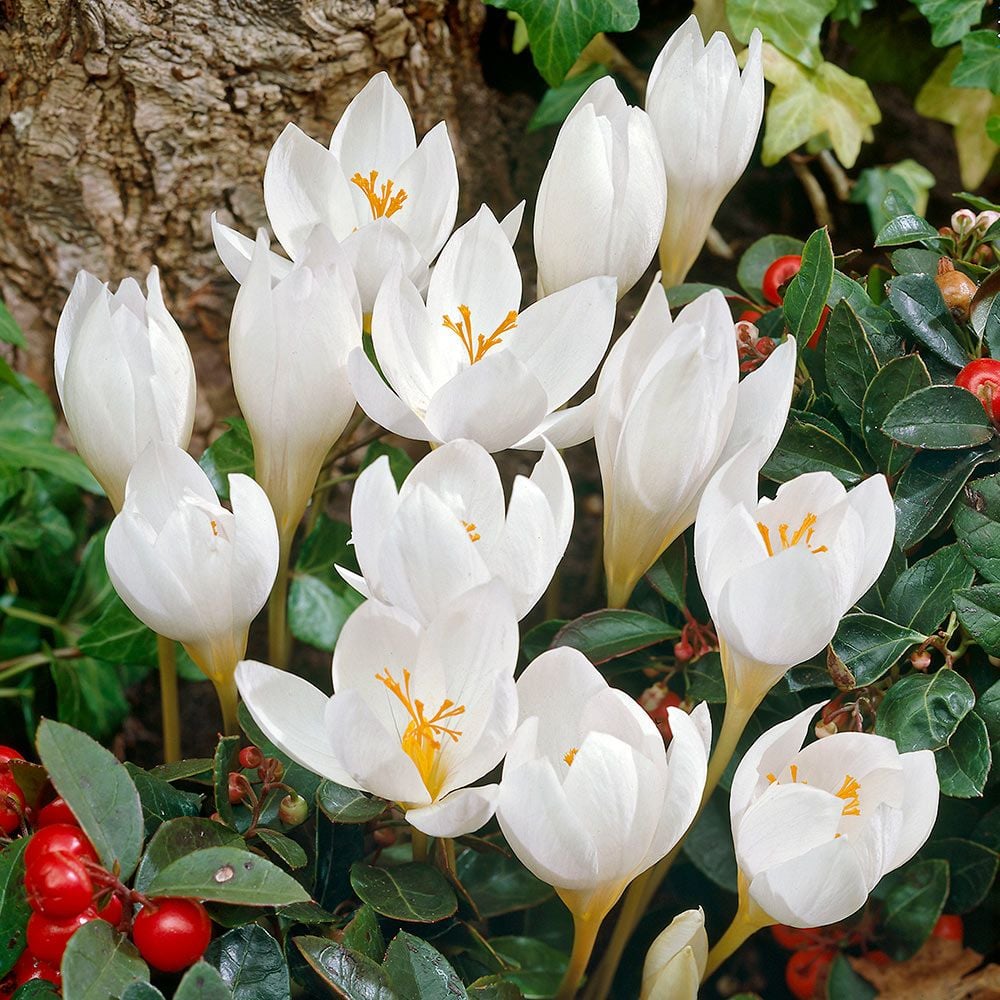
125	123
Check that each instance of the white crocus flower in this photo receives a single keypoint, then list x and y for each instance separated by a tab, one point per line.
471	364
417	714
603	194
675	962
124	376
189	568
288	345
669	410
446	531
707	117
589	797
816	827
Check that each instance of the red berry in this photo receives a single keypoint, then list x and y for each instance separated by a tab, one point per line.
58	838
7	754
804	969
982	378
778	275
749	316
658	713
11	803
56	812
47	939
251	757
794	938
683	651
949	928
29	967
111	911
58	886
814	339
172	934
878	957
235	788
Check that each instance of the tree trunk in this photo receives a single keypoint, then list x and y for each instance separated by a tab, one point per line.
124	125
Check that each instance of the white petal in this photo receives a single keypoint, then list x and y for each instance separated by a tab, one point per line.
685	932
379	401
564	428
86	290
511	222
235	251
373	505
920	805
255	547
458	813
375	251
873	502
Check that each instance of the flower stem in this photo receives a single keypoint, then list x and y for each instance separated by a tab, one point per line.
585	930
228	701
166	653
278	643
419	842
749	919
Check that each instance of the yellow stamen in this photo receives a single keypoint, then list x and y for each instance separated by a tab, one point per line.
215	528
421	741
476	346
794	771
849	792
804	533
570	756
383	201
470	527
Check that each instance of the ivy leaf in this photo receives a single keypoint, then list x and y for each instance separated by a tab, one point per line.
950	19
559	30
980	62
968	110
810	104
793	28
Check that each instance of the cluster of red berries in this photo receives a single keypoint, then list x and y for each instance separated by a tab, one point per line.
67	887
776	278
293	808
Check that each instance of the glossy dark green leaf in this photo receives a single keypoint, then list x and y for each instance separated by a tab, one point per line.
99	963
251	963
363	934
972	870
202	982
806	294
922	711
850	362
348	805
869	646
681	295
898	379
964	764
98	789
316	613
845	984
38	989
940	416
705	680
416	970
287	849
977	526
14	909
534	967
347	973
917	300
141	991
119	637
499	884
538	639
921	597
225	762
160	800
193	769
805	447
178	838
10	332
759	256
979	612
709	845
493	988
231	451
412	892
668	575
907	228
603	635
558	102
400	463
912	900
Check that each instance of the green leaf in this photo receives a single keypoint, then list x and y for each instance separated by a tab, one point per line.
979	612
559	30
119	637
806	295
604	635
908	179
805	447
922	711
681	295
224	763
177	838
533	966
36	989
417	970
499	884
939	417
917	300
228	875
348	973
972	869
194	768
963	765
850	363
231	451
899	378
316	614
90	695
202	982
927	489
10	332
558	102
348	805
160	800
980	62
869	645
950	19
400	464
845	984
977	526
412	892
759	256
14	909
287	849
98	789
922	595
791	27
99	963
668	575
363	934
46	457
141	991
913	898
709	845
251	963
984	312
493	988
906	228
704	679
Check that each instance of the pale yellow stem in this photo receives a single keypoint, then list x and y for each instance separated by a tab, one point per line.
749	919
166	653
278	637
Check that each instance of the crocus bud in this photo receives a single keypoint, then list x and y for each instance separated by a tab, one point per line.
603	194
675	962
707	117
124	376
288	344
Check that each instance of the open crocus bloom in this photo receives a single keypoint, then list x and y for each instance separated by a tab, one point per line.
706	117
675	962
779	574
124	376
815	828
670	410
288	345
603	194
187	567
590	798
469	364
445	530
417	714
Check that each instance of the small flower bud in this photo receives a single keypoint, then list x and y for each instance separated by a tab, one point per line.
251	757
984	220
765	346
963	220
293	809
825	729
920	659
